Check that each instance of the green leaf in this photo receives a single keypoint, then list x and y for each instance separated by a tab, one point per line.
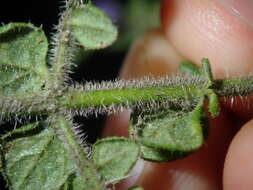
23	51
213	106
115	157
34	158
91	27
36	162
207	71
189	67
169	134
74	183
160	155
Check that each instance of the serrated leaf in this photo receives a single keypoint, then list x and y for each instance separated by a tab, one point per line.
23	50
169	134
91	27
115	157
34	158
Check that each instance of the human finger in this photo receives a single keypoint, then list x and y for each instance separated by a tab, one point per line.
238	170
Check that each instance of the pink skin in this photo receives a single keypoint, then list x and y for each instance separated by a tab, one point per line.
193	29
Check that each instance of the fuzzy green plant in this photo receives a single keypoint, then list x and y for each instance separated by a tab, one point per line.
47	151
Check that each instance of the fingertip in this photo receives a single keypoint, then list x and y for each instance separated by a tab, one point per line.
238	169
206	29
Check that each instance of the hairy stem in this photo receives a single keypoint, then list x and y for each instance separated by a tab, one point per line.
177	92
111	96
63	46
86	169
128	96
241	86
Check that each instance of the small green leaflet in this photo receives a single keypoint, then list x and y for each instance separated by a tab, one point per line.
189	68
91	27
23	51
206	72
169	135
213	106
115	157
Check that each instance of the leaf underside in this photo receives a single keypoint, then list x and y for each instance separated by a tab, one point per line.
23	51
92	28
160	155
114	157
34	158
169	135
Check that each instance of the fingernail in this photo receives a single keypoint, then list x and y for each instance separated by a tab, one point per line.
243	9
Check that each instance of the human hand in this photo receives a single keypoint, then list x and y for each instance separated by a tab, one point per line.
222	31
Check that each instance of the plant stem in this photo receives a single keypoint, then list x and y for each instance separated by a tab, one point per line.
241	86
128	96
86	169
178	93
112	96
63	46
